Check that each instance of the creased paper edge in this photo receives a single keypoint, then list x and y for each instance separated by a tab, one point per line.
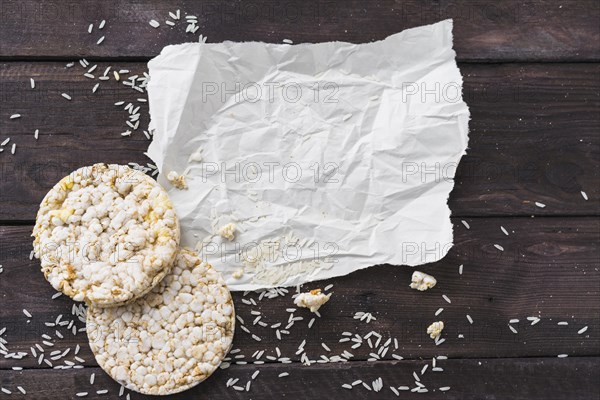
448	26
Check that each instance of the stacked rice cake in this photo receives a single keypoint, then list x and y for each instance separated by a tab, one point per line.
106	235
160	320
171	339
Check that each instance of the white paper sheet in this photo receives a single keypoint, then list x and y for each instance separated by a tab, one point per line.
353	169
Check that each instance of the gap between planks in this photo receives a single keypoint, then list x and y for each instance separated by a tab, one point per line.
294	363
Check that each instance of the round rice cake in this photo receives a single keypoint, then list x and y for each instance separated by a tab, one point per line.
171	339
106	234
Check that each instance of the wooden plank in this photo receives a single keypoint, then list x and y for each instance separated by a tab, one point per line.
530	30
71	133
524	146
549	269
477	379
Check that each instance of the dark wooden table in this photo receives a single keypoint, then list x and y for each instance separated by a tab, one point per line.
532	81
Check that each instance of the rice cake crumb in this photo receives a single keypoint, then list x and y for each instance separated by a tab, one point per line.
178	181
196	156
238	274
171	339
312	300
228	231
422	281
435	330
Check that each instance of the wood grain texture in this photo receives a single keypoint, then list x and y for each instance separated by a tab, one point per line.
474	379
533	135
549	269
523	30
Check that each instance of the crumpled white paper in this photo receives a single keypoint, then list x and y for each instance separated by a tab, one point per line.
327	157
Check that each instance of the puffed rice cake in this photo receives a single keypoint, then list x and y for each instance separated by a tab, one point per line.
171	339
106	234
